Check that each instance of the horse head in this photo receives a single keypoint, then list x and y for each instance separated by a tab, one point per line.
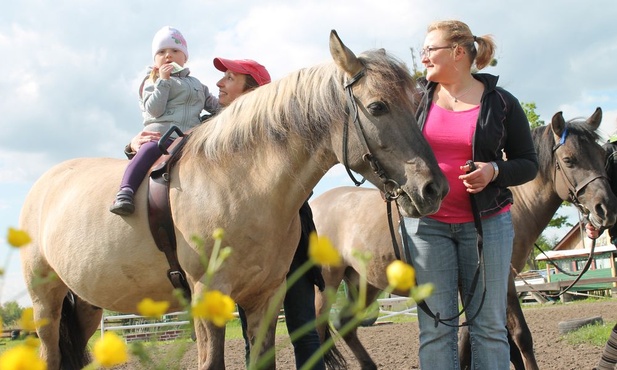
385	144
580	175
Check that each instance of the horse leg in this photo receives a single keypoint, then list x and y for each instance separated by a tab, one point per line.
333	358
351	338
49	308
210	345
464	348
265	357
518	329
89	318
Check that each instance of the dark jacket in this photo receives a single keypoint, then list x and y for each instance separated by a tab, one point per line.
502	127
611	173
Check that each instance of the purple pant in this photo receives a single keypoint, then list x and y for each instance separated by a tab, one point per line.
139	166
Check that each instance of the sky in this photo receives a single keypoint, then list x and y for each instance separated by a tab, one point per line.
73	67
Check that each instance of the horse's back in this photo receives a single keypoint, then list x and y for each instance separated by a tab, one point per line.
355	219
75	236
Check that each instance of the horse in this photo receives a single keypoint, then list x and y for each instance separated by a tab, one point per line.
571	168
248	171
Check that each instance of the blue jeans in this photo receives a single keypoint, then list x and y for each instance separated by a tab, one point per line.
446	254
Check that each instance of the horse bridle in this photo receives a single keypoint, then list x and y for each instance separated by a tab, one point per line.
393	194
572	189
390	187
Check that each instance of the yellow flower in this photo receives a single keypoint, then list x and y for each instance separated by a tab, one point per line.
214	306
110	350
149	308
218	233
18	238
400	275
322	252
27	323
21	357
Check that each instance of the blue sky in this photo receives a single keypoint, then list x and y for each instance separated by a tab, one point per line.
72	67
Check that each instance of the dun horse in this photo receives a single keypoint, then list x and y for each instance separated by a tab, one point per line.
571	168
247	171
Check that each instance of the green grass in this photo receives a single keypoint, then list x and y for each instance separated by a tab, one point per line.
595	335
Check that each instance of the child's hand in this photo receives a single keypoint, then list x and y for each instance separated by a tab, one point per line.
165	71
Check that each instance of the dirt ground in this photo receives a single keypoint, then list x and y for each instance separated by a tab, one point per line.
395	346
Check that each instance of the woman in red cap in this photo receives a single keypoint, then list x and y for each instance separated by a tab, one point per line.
240	77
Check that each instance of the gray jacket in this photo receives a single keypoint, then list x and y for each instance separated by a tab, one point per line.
177	101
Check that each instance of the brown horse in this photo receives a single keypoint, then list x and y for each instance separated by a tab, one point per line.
571	167
248	171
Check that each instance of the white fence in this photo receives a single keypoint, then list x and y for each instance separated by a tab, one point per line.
173	326
396	306
142	328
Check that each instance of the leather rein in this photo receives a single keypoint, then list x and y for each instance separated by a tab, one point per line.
390	187
391	191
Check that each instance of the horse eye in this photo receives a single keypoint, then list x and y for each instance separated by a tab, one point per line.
569	161
378	108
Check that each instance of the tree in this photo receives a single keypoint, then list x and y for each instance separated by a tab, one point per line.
10	313
532	116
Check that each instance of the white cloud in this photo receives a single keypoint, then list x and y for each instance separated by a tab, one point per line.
73	68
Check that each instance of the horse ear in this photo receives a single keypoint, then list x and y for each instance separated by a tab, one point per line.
558	124
344	57
595	119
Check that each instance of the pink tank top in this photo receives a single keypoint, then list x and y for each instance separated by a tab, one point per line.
450	135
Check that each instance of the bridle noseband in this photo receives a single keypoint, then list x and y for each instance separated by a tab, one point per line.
391	188
572	189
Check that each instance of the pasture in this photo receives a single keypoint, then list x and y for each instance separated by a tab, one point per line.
394	345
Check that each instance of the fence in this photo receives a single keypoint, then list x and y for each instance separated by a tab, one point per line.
395	306
173	326
135	327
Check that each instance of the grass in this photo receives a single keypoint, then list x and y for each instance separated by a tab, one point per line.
595	335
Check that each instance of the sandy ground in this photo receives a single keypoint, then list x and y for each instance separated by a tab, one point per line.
395	346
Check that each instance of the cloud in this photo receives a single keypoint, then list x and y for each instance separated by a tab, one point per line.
73	68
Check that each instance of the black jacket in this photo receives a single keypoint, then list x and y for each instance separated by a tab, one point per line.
502	128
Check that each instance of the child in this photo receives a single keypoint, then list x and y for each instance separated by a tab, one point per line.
169	97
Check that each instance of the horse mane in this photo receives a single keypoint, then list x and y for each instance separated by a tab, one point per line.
544	142
274	112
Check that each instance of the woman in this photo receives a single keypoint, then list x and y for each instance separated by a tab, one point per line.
465	116
240	77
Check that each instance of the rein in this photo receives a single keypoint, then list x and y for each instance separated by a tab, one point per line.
391	187
479	270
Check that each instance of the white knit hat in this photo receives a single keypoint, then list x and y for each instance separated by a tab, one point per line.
169	38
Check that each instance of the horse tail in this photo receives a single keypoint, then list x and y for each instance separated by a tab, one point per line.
333	358
72	342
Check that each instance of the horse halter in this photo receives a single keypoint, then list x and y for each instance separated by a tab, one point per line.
573	189
391	188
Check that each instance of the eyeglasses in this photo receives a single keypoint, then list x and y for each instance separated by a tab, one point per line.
426	52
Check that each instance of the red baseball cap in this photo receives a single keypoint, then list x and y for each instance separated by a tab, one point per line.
245	67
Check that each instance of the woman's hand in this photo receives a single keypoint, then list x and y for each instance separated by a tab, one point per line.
477	180
592	232
144	137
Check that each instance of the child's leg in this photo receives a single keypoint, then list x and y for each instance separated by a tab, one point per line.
134	174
